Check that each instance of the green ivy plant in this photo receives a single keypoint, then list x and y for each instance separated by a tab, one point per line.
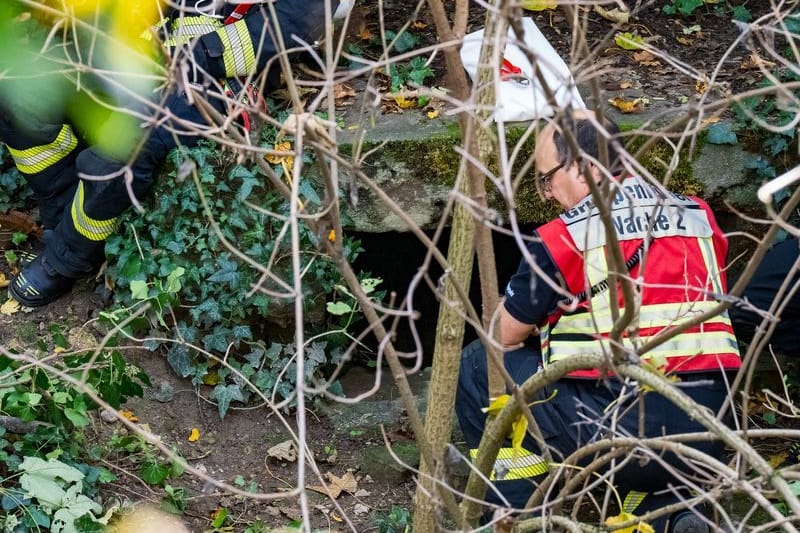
176	260
14	191
46	479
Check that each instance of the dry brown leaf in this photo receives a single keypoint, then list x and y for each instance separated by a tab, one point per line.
19	221
778	459
685	40
710	120
643	57
336	485
128	415
285	451
756	62
3	281
10	307
614	15
363	32
342	90
627	106
419	25
701	86
404	103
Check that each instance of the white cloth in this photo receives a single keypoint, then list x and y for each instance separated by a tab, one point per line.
516	101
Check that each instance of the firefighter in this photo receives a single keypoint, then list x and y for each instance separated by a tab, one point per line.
83	189
674	248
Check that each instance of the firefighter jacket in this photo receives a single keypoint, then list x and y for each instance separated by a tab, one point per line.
673	250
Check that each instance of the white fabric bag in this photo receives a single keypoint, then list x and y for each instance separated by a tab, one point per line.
517	101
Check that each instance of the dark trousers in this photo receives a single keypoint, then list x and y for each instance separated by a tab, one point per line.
105	193
577	415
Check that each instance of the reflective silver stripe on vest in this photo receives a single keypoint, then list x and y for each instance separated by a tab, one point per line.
237	50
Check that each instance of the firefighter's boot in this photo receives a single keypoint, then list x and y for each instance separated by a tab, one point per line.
39	284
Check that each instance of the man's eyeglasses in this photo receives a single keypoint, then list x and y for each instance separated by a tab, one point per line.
544	179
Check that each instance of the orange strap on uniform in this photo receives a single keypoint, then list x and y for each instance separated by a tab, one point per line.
238	13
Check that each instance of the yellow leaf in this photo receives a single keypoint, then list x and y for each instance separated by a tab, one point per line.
641	527
211	378
685	41
277	159
627	106
629	41
332	235
194	436
700	86
538	5
419	25
59	349
404	103
518	430
128	415
433	114
3	281
336	517
710	120
778	459
496	405
10	307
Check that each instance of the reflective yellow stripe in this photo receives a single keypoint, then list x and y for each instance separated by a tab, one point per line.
685	344
707	250
513	465
187	28
632	501
94	230
39	158
237	49
650	316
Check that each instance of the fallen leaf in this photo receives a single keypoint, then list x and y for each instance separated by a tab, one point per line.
756	62
336	517
710	120
363	32
360	509
625	85
287	158
701	86
285	451
337	485
433	114
685	40
342	90
538	5
194	436
3	281
17	221
128	415
404	103
643	57
10	307
629	41
778	459
617	15
641	527
419	25
627	106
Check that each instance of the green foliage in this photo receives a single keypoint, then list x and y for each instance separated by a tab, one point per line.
46	483
767	126
14	191
741	14
398	520
684	8
415	71
403	42
176	259
721	133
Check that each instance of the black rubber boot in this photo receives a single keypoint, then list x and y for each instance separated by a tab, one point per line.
39	284
687	522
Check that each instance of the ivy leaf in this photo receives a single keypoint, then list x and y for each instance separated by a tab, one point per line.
152	472
628	41
224	395
139	290
721	133
180	360
217	340
404	42
338	308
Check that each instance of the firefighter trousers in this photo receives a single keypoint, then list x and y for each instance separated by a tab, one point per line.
574	412
81	192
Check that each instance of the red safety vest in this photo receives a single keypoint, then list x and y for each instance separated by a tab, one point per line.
682	273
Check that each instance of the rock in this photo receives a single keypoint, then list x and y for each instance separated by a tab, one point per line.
108	416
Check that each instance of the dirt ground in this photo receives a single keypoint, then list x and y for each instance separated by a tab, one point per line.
237	445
